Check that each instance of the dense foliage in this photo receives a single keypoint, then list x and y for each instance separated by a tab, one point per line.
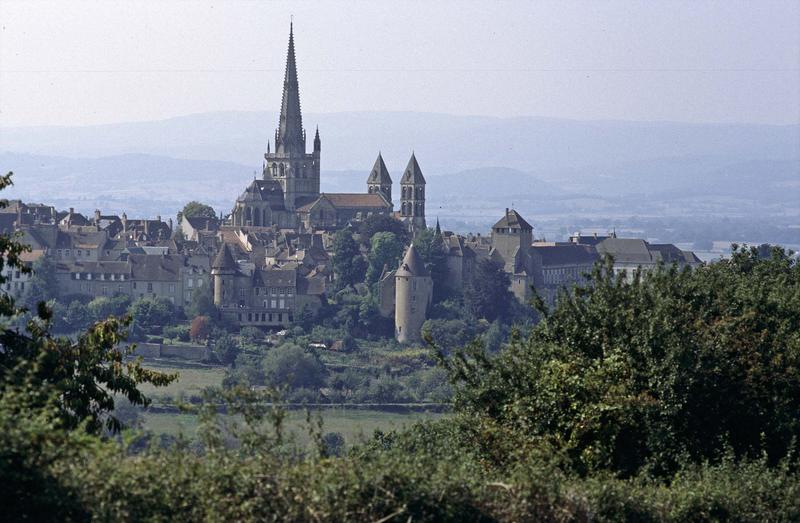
643	376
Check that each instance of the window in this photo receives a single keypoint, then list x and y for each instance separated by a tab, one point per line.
190	283
249	316
149	287
270	317
241	293
274	303
199	282
172	287
280	317
134	285
105	290
282	304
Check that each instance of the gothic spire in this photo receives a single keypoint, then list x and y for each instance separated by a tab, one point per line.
290	135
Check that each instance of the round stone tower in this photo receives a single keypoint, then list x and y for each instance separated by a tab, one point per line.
413	291
223	271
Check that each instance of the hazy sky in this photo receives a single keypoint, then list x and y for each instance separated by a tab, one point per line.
77	63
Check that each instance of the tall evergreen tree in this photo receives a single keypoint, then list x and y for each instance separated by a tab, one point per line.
349	265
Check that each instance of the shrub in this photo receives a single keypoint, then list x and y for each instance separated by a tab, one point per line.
200	328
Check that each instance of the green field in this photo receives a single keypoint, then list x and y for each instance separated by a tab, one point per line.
192	378
353	424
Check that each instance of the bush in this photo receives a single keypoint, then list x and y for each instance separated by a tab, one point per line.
177	332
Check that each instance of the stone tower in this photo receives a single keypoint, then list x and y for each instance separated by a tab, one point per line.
412	197
290	165
379	180
512	236
223	271
413	292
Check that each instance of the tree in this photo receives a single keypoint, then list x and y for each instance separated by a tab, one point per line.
291	366
200	328
382	223
487	295
430	247
43	285
674	365
103	307
152	312
201	303
385	251
195	209
77	316
225	348
348	263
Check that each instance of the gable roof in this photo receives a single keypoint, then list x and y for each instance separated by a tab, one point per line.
413	173
626	250
350	201
569	254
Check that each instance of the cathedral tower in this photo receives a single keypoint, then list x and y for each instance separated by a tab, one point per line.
412	196
413	294
296	170
379	180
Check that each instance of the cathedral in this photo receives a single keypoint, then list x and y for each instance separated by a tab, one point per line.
288	196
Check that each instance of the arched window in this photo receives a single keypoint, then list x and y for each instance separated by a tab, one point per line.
274	169
282	170
256	218
264	220
248	216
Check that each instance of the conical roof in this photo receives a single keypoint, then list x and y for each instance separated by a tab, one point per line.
224	259
413	173
290	127
379	173
412	264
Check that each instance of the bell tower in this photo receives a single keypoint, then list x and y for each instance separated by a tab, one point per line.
379	180
412	197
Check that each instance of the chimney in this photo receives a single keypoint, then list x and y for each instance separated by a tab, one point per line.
96	216
170	224
158	217
72	210
124	222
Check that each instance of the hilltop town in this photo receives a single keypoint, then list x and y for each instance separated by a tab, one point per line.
271	259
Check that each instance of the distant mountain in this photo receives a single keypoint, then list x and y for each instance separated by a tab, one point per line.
443	143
